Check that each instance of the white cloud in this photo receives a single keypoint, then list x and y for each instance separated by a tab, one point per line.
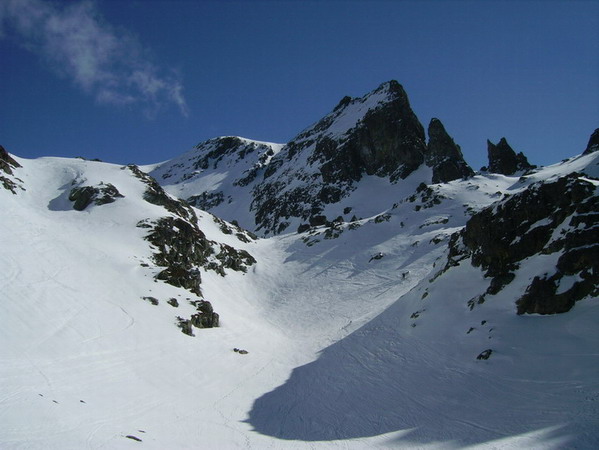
76	42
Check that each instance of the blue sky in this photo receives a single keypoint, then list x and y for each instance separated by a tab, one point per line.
144	81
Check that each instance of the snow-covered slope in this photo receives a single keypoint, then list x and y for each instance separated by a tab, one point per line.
217	175
394	322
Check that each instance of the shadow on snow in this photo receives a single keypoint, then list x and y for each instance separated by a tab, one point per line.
379	380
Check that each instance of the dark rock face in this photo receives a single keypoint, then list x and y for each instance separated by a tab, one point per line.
205	317
593	144
9	185
551	217
185	326
504	160
84	196
7	164
206	200
387	141
377	134
181	248
444	155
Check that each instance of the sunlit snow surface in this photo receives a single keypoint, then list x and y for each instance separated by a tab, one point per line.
345	351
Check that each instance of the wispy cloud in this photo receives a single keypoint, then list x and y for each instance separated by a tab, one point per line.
106	62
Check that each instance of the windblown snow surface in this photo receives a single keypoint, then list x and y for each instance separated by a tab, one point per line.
352	341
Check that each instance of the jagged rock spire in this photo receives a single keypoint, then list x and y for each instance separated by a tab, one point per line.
383	137
593	144
504	160
444	155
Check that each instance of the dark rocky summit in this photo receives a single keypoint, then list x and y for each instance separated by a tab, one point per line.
504	160
593	144
377	134
547	218
387	141
444	155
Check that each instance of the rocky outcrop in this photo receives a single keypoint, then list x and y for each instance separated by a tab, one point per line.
205	317
504	160
559	217
377	134
157	196
444	155
7	165
593	144
102	194
180	247
387	141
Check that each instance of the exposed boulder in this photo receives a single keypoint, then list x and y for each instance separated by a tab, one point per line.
444	155
486	354
504	160
593	144
205	317
102	194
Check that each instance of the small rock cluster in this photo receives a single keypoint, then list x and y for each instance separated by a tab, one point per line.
205	317
102	194
7	165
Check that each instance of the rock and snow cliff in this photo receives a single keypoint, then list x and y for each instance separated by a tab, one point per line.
331	167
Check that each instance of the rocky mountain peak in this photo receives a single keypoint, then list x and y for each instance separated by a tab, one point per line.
593	144
377	134
444	155
504	160
374	135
